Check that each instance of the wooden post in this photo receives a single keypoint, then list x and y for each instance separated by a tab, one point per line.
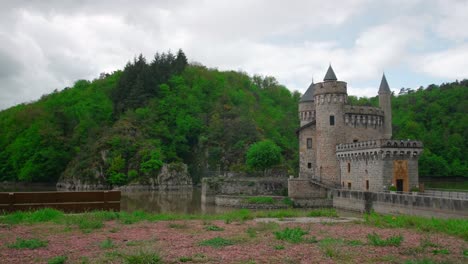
11	201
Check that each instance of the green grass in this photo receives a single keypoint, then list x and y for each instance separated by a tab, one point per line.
455	227
28	243
293	235
326	212
213	228
375	240
260	200
107	244
217	242
57	260
440	251
279	247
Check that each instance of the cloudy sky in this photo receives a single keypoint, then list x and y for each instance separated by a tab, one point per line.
47	45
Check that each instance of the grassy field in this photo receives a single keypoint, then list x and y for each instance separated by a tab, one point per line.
233	237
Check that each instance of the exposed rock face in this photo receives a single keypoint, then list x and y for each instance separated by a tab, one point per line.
174	176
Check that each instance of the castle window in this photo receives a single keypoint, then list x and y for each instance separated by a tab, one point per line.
349	185
332	120
309	143
309	165
349	167
355	140
367	185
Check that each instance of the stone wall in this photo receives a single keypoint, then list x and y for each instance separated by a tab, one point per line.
242	186
307	155
387	203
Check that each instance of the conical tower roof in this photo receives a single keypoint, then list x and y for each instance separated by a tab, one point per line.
309	94
384	88
330	75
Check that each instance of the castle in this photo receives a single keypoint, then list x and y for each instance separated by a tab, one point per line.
350	147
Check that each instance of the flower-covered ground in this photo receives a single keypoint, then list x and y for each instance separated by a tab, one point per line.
225	241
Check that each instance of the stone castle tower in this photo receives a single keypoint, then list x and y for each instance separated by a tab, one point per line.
346	146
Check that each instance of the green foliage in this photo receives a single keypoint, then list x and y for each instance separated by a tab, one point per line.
152	163
375	240
260	200
293	235
28	243
279	247
217	242
57	260
263	155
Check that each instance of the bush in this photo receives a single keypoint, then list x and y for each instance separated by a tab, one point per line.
263	155
57	260
260	200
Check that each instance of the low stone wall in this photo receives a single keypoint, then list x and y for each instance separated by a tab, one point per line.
241	202
388	203
304	189
313	203
242	186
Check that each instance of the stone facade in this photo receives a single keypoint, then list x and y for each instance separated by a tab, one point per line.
346	146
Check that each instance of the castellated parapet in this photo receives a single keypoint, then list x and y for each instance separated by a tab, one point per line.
347	146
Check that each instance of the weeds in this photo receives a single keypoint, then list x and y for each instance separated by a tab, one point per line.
213	228
142	258
293	235
440	252
57	260
107	244
217	242
185	259
279	247
28	243
375	240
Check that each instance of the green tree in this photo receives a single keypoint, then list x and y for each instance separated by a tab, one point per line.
263	155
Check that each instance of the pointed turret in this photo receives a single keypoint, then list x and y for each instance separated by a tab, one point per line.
309	94
330	75
384	88
385	103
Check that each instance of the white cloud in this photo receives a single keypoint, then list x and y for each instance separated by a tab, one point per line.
451	63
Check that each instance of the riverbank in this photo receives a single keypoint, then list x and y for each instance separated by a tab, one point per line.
232	237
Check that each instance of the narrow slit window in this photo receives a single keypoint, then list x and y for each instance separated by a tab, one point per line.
309	143
349	167
309	165
367	185
332	120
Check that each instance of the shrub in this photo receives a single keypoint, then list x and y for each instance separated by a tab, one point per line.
142	258
327	212
263	155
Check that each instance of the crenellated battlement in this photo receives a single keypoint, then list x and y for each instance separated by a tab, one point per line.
363	110
330	87
380	143
380	149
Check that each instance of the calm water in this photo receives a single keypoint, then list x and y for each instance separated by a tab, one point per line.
183	201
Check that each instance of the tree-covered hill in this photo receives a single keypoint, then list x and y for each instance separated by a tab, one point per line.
123	126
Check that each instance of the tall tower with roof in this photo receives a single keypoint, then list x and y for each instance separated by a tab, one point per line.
385	97
330	97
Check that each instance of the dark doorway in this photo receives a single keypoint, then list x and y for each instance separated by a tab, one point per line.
399	185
